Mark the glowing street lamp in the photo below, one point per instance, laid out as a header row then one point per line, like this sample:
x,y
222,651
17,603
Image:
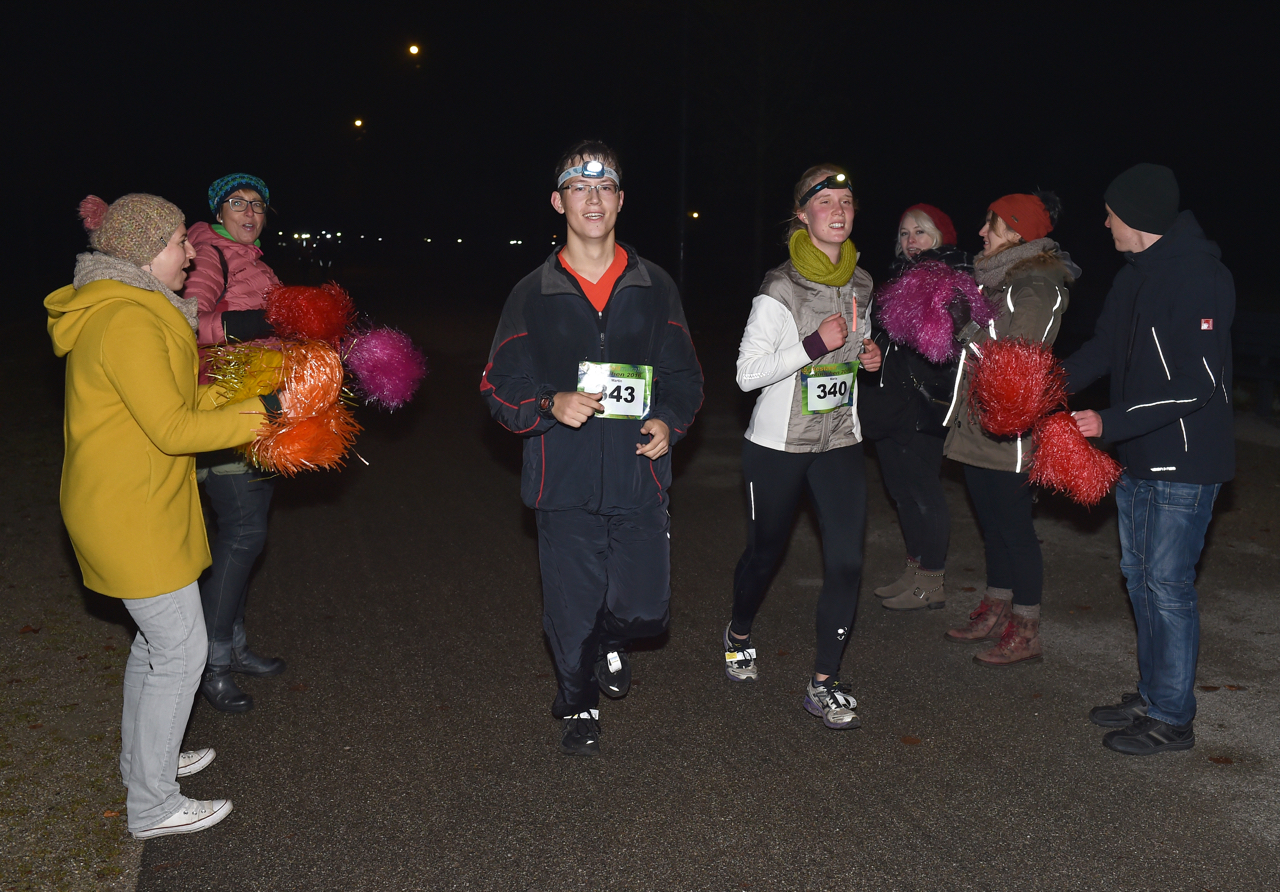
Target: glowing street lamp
x,y
359,123
413,51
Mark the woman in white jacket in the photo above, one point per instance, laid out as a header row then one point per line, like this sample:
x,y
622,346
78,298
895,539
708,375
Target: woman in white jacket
x,y
804,433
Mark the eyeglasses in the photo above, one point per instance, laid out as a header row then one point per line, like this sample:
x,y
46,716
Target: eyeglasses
x,y
580,189
239,205
835,181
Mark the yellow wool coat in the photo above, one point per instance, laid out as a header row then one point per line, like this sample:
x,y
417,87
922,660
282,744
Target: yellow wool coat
x,y
134,419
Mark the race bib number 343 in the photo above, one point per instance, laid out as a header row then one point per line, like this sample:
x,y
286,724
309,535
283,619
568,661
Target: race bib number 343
x,y
827,387
626,388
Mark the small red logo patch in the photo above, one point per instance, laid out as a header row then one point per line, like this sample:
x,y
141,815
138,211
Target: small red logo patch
x,y
1206,325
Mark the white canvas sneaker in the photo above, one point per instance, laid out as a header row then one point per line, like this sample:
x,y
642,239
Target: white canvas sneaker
x,y
194,815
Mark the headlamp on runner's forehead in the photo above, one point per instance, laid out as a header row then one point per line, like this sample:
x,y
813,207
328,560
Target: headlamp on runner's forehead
x,y
835,181
592,170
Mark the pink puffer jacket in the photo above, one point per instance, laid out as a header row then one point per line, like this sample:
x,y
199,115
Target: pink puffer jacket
x,y
247,278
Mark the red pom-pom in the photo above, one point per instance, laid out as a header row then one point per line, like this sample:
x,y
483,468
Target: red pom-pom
x,y
92,211
1064,460
1015,383
309,313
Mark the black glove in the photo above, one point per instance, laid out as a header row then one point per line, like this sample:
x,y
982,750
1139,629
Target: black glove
x,y
271,402
246,325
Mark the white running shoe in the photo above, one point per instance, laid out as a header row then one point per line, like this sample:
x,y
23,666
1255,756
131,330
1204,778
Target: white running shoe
x,y
739,658
830,701
195,760
194,815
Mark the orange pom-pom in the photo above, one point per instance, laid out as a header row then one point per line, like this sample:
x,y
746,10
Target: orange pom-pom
x,y
310,313
314,430
287,446
312,378
1064,460
1014,384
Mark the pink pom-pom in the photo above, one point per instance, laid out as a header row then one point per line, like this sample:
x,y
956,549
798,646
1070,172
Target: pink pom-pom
x,y
1064,460
913,308
1015,383
386,366
92,211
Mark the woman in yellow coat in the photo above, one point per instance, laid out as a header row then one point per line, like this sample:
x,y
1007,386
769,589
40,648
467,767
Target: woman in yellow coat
x,y
134,418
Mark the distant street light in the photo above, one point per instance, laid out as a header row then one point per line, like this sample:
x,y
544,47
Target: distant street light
x,y
413,51
693,214
359,123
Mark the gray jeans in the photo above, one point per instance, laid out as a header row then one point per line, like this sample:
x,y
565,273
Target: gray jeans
x,y
160,682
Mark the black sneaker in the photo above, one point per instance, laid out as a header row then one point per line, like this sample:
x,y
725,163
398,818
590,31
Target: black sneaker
x,y
581,734
613,673
1120,715
1148,736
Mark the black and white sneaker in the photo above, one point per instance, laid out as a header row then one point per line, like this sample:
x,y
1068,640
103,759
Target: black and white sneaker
x,y
581,734
613,673
739,658
831,701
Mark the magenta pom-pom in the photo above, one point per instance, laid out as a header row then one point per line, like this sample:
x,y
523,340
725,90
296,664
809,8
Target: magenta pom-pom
x,y
387,368
913,308
92,211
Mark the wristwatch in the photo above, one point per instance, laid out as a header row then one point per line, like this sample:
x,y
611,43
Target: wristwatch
x,y
547,402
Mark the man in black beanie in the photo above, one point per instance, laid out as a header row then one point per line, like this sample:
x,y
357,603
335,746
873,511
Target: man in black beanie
x,y
1164,337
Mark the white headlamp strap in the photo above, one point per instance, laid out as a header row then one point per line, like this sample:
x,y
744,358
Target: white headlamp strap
x,y
592,170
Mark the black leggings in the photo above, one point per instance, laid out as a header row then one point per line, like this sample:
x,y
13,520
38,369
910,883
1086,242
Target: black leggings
x,y
837,485
1002,501
912,475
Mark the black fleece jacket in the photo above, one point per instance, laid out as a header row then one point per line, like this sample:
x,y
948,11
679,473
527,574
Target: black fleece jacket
x,y
548,326
1164,336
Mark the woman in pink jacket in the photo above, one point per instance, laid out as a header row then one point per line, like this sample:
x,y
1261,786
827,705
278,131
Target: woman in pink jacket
x,y
228,282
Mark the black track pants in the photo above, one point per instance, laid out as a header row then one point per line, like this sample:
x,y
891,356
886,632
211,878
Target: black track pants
x,y
912,474
837,485
1002,501
606,578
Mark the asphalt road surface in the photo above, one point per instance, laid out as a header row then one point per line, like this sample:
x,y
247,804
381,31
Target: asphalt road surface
x,y
410,744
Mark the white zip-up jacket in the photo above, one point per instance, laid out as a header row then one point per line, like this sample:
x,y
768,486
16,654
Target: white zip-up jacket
x,y
772,353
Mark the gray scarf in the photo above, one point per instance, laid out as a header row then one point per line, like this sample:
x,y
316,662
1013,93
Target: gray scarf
x,y
96,266
991,271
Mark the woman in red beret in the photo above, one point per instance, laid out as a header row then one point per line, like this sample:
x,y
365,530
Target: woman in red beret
x,y
1026,275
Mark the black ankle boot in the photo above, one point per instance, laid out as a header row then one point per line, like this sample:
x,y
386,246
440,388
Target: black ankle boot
x,y
246,662
219,688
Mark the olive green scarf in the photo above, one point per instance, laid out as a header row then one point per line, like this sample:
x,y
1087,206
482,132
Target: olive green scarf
x,y
815,266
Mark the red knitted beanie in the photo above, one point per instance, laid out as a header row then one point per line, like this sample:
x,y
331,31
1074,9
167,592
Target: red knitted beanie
x,y
1024,214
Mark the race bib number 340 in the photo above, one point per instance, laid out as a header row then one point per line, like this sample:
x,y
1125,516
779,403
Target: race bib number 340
x,y
626,388
827,387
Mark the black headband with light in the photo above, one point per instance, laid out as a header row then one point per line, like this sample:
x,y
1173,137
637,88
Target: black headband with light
x,y
835,181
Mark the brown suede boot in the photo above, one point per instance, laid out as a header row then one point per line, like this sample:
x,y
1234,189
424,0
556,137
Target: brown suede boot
x,y
904,583
1020,643
928,590
986,622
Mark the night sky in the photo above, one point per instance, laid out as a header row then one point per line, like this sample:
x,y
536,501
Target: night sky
x,y
950,107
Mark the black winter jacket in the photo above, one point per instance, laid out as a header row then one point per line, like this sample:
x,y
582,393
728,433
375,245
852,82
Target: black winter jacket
x,y
909,393
1164,336
548,326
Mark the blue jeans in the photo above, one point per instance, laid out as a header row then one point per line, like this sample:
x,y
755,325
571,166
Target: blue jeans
x,y
1162,527
240,502
160,681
